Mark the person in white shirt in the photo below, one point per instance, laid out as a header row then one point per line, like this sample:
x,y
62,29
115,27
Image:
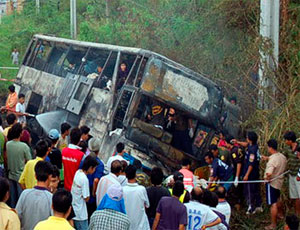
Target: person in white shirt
x,y
15,57
223,206
20,109
81,192
200,216
108,180
136,200
118,155
122,177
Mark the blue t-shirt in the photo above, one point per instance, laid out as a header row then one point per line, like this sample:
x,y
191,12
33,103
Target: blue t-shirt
x,y
252,158
221,170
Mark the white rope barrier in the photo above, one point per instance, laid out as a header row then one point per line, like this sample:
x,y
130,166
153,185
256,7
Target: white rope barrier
x,y
9,67
248,182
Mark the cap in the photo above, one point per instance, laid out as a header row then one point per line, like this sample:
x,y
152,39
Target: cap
x,y
53,134
94,144
115,192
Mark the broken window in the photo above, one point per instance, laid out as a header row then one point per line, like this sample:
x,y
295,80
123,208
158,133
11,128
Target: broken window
x,y
34,103
127,66
39,54
100,64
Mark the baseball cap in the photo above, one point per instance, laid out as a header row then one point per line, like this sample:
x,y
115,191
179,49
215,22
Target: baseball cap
x,y
53,134
115,192
94,144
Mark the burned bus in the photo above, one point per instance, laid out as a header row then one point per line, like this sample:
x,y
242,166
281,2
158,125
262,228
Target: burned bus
x,y
162,111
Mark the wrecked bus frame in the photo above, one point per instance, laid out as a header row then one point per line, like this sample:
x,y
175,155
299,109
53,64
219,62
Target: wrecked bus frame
x,y
63,75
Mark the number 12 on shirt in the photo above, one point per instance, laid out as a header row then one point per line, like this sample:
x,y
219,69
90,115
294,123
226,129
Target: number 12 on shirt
x,y
194,222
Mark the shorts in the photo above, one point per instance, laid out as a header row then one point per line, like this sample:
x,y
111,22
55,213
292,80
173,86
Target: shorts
x,y
272,194
294,187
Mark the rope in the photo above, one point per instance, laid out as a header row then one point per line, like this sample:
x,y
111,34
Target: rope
x,y
9,67
4,79
248,182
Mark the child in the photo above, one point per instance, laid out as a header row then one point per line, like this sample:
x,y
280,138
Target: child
x,y
20,109
81,192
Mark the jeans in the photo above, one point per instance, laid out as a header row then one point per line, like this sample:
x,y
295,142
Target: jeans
x,y
81,224
15,192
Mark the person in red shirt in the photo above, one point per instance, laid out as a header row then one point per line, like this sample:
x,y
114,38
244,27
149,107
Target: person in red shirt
x,y
71,158
188,176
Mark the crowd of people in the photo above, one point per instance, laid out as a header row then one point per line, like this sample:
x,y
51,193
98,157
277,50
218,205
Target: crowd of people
x,y
62,182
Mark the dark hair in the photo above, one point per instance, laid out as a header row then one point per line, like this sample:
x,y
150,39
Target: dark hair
x,y
120,147
124,165
116,167
83,145
290,136
11,88
130,172
156,176
4,188
229,138
61,201
64,127
51,141
41,148
75,136
213,147
178,188
210,155
186,162
178,176
15,131
207,197
272,143
252,136
88,162
55,172
214,200
137,163
21,95
11,118
221,192
84,129
292,222
197,197
233,98
42,170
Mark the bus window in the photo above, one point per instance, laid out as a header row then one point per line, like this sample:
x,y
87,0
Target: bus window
x,y
41,52
73,60
141,69
56,59
99,65
128,65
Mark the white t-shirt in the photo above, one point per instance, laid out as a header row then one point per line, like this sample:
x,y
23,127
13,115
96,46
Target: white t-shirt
x,y
220,226
123,180
199,215
20,108
224,208
136,199
80,191
112,159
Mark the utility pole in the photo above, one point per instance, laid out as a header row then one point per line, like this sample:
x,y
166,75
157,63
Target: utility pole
x,y
269,31
37,5
73,19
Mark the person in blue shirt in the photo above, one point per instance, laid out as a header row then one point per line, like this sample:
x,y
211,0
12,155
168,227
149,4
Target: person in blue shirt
x,y
219,170
251,172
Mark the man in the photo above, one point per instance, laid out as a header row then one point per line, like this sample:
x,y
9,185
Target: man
x,y
221,153
65,129
155,192
171,214
293,165
61,206
275,167
219,171
18,153
34,204
188,176
111,213
141,177
94,146
200,216
185,197
20,109
223,206
136,200
27,179
55,154
84,132
292,223
15,57
11,101
9,219
81,192
251,172
11,120
108,180
120,150
71,158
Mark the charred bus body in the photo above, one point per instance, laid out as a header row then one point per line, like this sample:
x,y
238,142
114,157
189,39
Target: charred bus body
x,y
161,110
